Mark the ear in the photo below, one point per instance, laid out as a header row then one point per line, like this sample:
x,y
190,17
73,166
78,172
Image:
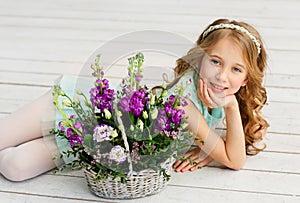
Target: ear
x,y
245,82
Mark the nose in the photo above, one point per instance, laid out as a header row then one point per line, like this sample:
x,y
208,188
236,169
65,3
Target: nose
x,y
222,75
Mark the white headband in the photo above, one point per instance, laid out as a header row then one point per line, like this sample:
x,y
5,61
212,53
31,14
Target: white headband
x,y
234,27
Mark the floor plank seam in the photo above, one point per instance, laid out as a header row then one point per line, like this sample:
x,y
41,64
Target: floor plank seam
x,y
55,197
235,190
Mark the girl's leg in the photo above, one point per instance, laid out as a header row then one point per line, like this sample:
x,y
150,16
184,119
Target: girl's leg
x,y
26,161
25,124
23,152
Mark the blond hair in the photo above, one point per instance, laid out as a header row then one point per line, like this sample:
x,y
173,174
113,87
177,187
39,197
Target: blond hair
x,y
252,97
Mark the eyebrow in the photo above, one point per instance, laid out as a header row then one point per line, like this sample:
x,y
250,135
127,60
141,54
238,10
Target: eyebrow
x,y
238,64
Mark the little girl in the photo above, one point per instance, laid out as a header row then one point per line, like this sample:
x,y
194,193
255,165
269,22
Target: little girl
x,y
228,62
226,67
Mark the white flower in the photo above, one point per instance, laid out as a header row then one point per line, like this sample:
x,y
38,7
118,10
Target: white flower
x,y
67,103
117,154
107,114
154,113
79,92
164,93
131,128
145,114
184,125
76,100
104,132
140,124
152,100
114,134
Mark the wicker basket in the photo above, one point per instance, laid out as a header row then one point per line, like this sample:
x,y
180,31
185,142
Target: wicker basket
x,y
147,182
141,184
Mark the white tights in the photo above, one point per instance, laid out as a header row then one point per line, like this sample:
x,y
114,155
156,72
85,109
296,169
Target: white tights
x,y
23,151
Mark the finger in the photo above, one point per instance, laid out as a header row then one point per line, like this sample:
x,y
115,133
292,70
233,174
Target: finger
x,y
176,164
187,168
182,166
188,155
209,101
201,163
200,89
187,164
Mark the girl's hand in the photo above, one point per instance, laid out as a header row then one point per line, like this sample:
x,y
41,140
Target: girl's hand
x,y
193,156
210,99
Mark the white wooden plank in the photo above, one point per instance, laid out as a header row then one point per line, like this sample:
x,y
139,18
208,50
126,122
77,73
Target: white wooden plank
x,y
283,80
284,126
14,197
40,66
34,79
283,110
23,93
240,180
264,161
282,143
283,95
177,7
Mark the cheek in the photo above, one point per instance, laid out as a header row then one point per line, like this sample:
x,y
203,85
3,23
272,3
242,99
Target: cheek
x,y
207,70
236,84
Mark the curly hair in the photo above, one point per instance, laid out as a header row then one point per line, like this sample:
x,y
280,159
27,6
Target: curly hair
x,y
252,97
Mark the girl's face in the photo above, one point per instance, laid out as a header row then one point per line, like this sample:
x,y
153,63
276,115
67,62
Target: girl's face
x,y
223,69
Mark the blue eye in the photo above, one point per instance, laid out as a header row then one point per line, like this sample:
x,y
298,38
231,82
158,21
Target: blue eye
x,y
235,69
215,62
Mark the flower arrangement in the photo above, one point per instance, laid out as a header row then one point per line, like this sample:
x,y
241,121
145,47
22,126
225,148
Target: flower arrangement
x,y
120,132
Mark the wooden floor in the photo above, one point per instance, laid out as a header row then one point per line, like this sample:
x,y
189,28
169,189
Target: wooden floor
x,y
41,39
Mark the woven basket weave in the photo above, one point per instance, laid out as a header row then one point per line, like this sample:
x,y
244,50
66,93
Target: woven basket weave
x,y
137,185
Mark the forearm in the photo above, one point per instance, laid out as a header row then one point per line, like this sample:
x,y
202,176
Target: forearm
x,y
231,152
235,139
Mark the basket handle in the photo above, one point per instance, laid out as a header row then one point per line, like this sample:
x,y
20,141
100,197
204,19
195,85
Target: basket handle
x,y
121,127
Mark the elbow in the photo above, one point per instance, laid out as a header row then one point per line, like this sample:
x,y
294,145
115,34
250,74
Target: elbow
x,y
238,165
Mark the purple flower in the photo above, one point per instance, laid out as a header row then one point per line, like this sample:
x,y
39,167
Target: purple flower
x,y
101,96
73,137
138,78
135,103
77,125
168,108
124,102
183,101
172,99
177,116
163,121
61,127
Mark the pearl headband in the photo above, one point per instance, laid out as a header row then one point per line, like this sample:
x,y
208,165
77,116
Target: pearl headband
x,y
233,27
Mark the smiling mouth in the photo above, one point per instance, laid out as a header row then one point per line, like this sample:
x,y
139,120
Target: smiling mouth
x,y
218,88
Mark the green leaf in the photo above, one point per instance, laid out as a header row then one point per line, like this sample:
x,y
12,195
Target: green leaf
x,y
88,140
